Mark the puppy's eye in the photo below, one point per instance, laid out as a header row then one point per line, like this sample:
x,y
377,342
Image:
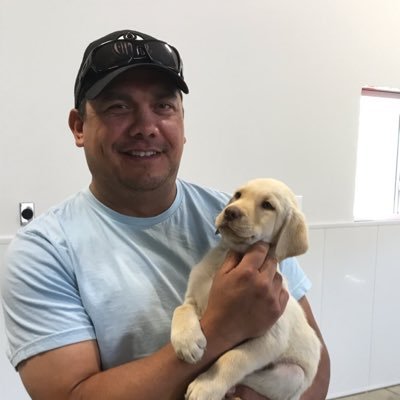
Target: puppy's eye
x,y
237,195
266,205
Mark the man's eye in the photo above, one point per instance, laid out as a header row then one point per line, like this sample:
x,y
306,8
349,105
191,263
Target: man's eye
x,y
118,106
164,106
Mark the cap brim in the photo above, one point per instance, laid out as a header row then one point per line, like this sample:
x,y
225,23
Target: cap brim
x,y
97,88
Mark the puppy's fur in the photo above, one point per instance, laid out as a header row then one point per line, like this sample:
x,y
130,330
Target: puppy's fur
x,y
283,362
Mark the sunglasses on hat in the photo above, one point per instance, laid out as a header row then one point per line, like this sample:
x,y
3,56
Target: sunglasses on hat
x,y
120,54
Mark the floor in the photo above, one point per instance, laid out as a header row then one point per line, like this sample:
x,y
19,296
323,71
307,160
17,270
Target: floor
x,y
390,393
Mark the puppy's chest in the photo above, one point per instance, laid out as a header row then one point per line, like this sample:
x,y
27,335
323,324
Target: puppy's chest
x,y
201,289
202,277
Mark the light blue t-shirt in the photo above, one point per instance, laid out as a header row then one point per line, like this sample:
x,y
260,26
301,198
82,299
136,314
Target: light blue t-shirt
x,y
82,271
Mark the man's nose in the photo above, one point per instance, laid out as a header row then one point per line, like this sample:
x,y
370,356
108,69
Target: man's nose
x,y
144,123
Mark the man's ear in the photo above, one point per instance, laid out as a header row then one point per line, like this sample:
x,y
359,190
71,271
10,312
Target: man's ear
x,y
75,123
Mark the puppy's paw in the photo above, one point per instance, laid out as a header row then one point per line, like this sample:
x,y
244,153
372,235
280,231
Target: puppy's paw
x,y
189,345
199,391
187,338
205,388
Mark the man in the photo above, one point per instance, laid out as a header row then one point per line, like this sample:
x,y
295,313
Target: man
x,y
91,285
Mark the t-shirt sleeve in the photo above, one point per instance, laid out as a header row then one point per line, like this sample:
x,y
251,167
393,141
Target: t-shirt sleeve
x,y
41,302
298,282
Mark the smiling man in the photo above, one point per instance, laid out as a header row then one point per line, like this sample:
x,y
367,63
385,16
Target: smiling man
x,y
133,137
90,286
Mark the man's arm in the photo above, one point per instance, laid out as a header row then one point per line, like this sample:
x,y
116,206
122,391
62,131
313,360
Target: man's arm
x,y
319,389
74,372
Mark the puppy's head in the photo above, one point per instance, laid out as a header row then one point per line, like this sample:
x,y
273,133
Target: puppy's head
x,y
264,210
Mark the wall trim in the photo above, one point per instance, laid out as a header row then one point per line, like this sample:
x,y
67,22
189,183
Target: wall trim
x,y
353,224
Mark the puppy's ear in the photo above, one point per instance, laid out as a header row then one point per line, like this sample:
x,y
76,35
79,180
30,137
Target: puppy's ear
x,y
293,238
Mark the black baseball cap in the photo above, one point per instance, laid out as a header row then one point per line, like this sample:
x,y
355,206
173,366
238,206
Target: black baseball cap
x,y
107,57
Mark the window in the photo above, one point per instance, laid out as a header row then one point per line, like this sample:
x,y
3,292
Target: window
x,y
378,156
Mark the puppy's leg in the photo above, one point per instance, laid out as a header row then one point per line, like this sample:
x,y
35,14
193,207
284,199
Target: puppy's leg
x,y
234,365
187,338
282,381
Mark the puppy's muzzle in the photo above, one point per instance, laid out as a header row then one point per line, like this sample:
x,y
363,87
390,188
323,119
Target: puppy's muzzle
x,y
231,213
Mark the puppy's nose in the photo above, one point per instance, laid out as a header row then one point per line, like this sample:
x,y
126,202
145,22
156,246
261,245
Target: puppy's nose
x,y
232,213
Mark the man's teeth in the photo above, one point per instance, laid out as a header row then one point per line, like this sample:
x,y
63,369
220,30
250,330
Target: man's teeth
x,y
142,153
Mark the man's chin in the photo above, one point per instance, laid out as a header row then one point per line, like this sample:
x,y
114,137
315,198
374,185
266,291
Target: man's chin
x,y
148,183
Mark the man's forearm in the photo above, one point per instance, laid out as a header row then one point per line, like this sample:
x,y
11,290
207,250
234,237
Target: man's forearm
x,y
159,376
319,388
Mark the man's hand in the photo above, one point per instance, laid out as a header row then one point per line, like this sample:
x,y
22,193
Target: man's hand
x,y
244,393
247,296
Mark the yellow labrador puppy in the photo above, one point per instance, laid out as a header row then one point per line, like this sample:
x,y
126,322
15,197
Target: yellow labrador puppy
x,y
283,362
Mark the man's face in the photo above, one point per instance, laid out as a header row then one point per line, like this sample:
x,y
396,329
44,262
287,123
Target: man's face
x,y
133,133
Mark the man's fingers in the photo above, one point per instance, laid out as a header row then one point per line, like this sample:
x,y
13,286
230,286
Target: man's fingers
x,y
283,298
244,392
256,254
256,257
270,265
232,259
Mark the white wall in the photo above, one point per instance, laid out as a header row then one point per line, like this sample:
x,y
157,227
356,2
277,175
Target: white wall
x,y
274,86
275,89
355,270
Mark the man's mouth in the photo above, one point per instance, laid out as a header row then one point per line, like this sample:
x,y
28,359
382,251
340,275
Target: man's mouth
x,y
142,153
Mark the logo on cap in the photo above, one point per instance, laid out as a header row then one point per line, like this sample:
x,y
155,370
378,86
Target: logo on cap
x,y
125,47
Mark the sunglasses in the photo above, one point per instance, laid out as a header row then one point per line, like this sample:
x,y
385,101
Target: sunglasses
x,y
122,52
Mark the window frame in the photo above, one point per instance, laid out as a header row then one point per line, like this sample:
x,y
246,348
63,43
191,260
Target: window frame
x,y
359,215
